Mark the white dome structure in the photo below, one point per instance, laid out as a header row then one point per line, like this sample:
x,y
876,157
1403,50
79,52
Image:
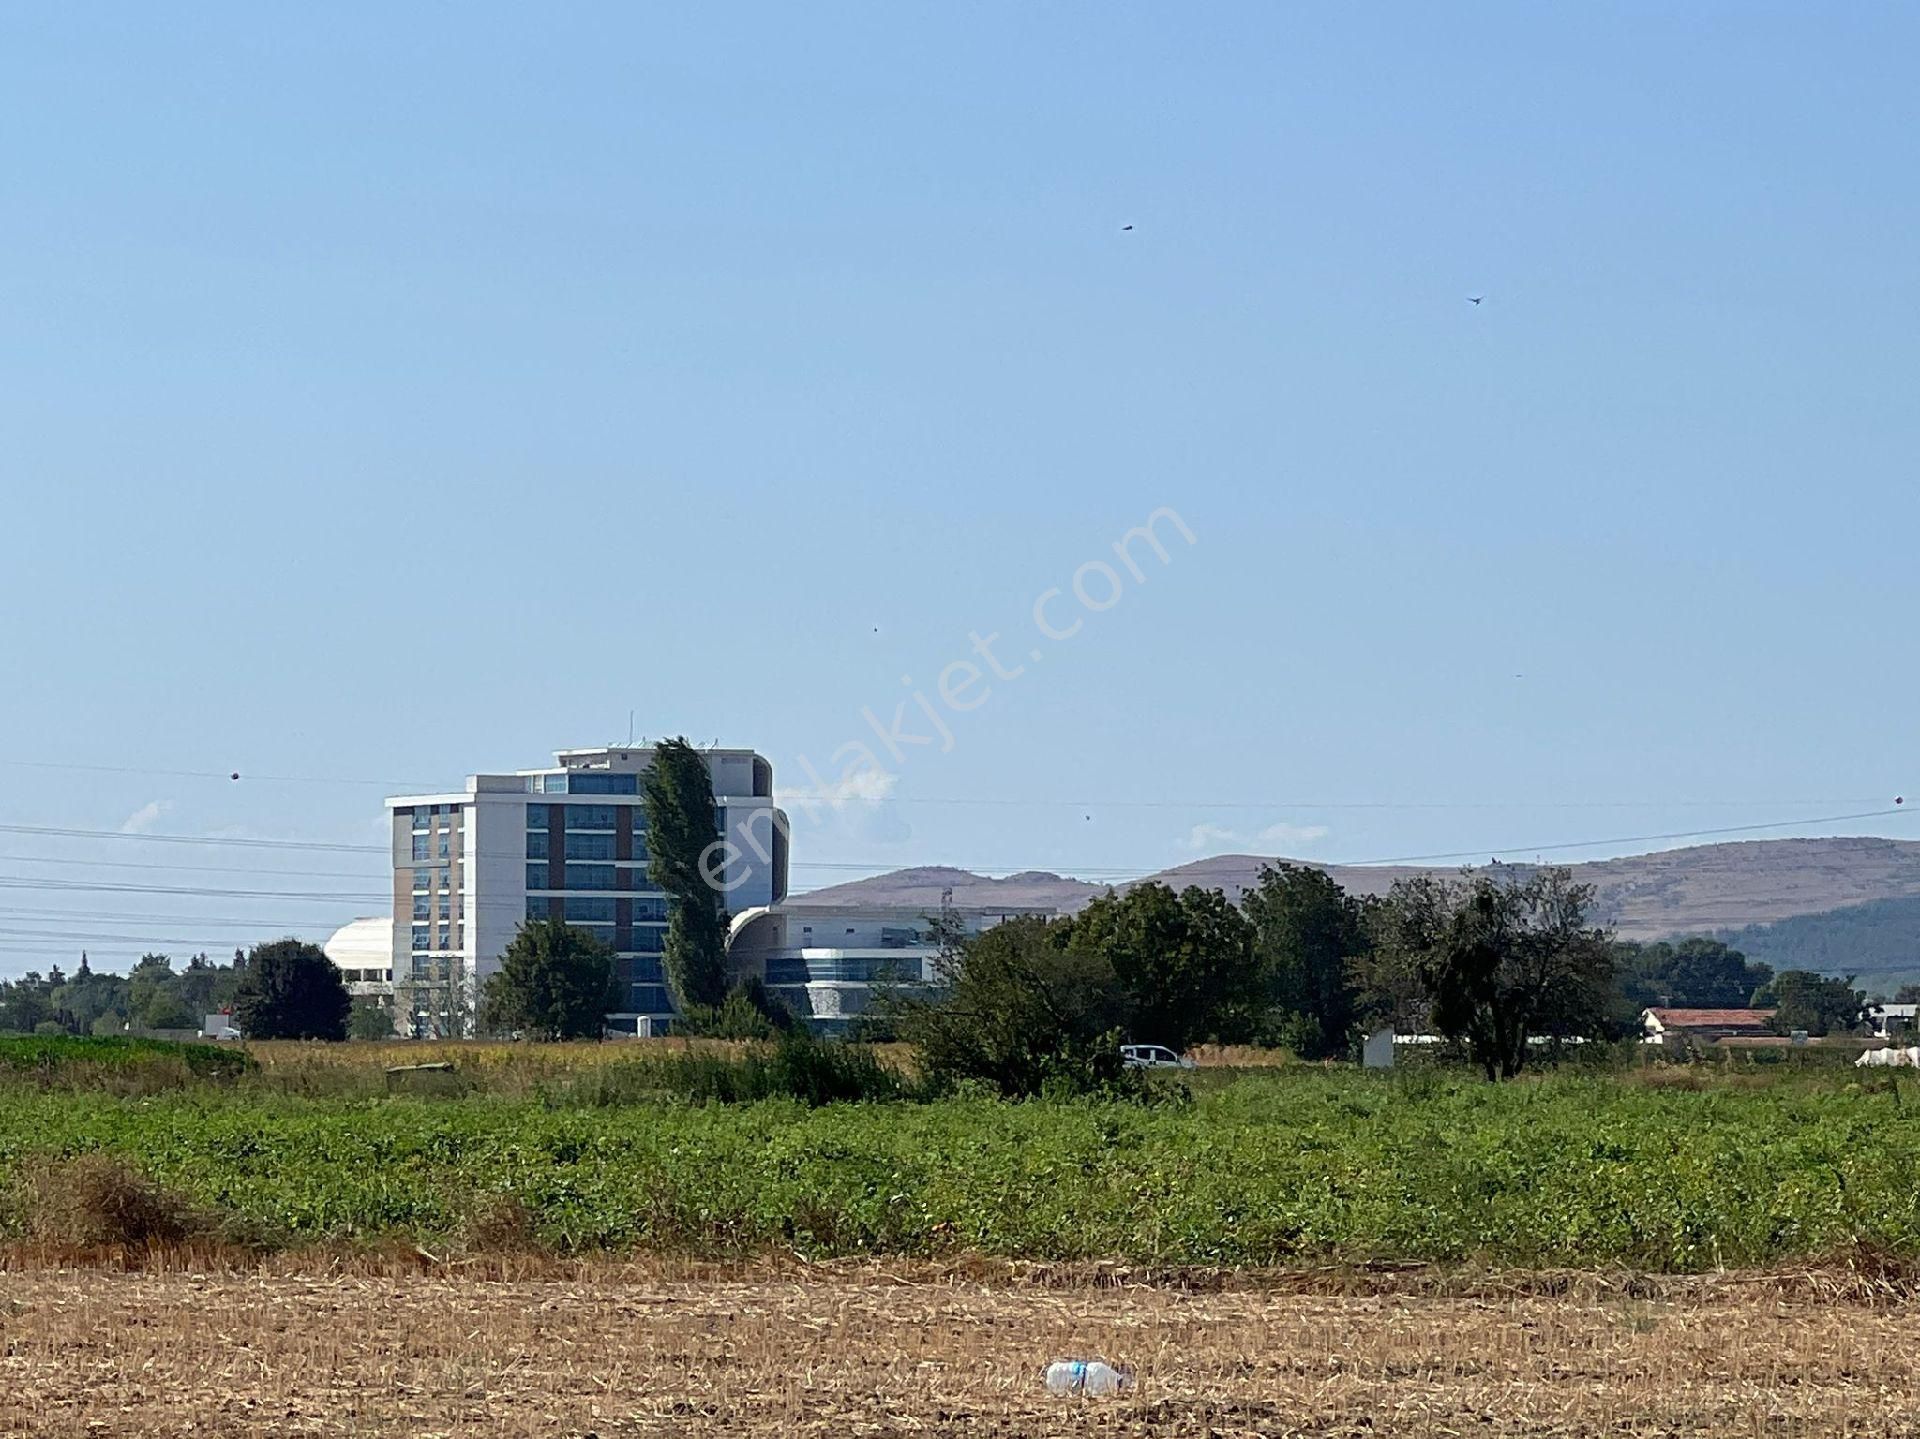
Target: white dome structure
x,y
362,950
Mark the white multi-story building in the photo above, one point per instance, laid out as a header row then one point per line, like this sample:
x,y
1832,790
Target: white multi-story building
x,y
566,843
362,951
827,963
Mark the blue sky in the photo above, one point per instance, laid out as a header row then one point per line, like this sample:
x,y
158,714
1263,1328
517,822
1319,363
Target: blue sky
x,y
389,396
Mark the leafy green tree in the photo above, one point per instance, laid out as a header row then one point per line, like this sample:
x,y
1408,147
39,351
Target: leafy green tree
x,y
205,988
1817,1003
435,1008
1696,973
150,993
1908,994
167,1010
1500,962
291,990
1018,1007
1308,934
554,982
1184,962
25,1004
681,827
371,1017
92,1000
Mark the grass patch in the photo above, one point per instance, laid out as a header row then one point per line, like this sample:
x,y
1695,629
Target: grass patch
x,y
796,1067
96,1201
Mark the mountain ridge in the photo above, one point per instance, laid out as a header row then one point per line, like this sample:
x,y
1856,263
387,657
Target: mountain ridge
x,y
1700,889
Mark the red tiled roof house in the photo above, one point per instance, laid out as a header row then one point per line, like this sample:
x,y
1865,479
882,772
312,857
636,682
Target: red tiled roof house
x,y
1704,1026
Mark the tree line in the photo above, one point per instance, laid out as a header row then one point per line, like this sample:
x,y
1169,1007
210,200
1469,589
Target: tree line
x,y
1495,964
282,989
1502,966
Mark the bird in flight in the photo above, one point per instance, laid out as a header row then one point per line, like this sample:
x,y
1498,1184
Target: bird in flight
x,y
1475,299
1126,227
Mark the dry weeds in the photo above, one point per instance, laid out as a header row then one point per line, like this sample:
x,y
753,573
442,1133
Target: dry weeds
x,y
95,1200
678,1349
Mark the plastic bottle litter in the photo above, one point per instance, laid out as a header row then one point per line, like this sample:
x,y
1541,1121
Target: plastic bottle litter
x,y
1081,1376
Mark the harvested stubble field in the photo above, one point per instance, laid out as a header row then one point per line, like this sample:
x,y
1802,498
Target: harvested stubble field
x,y
657,1350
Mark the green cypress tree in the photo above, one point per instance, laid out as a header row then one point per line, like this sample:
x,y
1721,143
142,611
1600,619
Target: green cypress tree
x,y
681,825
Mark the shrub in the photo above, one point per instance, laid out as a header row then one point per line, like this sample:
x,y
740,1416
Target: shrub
x,y
1021,1009
95,1201
748,1012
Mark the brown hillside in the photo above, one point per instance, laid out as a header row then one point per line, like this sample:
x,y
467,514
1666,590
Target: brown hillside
x,y
1677,891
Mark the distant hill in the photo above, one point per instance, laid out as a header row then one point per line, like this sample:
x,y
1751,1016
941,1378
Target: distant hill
x,y
923,886
1820,884
1878,942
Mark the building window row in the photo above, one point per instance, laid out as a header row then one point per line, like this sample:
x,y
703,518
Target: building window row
x,y
625,878
575,782
649,999
427,905
584,816
438,845
423,814
577,846
867,971
642,909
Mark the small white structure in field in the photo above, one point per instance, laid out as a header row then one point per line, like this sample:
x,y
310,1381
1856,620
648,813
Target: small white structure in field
x,y
1889,1019
1377,1052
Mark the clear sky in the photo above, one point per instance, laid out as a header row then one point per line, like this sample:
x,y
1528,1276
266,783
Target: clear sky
x,y
390,393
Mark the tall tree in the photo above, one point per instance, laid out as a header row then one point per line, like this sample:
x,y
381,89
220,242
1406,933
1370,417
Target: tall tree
x,y
291,990
1184,962
1500,962
682,825
553,983
1308,936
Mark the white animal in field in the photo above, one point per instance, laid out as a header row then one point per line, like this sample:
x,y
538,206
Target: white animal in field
x,y
1889,1059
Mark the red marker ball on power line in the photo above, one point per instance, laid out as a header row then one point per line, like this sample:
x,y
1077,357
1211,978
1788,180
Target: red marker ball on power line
x,y
234,775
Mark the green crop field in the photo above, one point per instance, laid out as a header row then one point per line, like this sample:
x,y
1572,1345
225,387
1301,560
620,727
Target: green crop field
x,y
1286,1166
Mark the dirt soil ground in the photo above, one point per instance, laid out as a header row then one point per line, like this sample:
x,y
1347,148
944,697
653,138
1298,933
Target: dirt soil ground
x,y
867,1353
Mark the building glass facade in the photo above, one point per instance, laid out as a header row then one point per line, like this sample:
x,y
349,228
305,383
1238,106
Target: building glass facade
x,y
568,843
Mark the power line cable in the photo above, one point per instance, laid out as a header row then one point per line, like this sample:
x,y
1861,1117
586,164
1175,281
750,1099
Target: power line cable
x,y
1628,839
398,787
